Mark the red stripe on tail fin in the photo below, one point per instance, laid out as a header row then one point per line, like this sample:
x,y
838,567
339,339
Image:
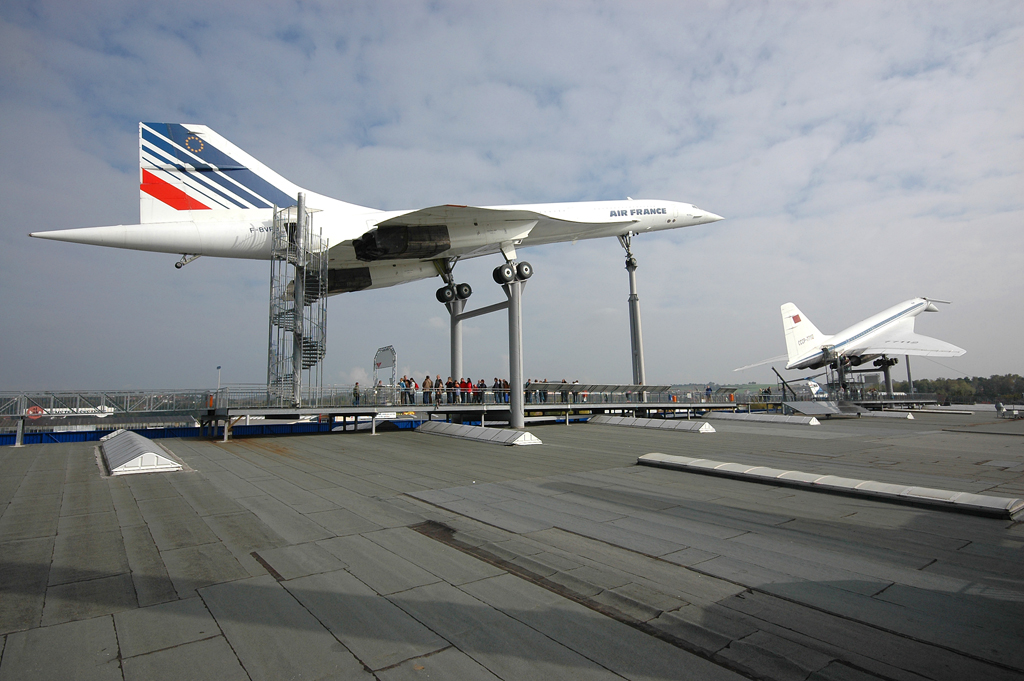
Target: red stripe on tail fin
x,y
168,193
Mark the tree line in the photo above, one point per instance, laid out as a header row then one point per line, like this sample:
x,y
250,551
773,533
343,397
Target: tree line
x,y
1006,388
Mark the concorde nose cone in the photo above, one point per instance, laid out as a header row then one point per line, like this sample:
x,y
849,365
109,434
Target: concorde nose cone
x,y
703,217
93,236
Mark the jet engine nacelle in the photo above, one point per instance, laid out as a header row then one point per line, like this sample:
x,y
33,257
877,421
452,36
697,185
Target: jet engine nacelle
x,y
402,242
377,275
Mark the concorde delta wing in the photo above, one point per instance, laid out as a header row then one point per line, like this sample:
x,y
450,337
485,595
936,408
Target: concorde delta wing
x,y
461,216
442,231
904,341
450,231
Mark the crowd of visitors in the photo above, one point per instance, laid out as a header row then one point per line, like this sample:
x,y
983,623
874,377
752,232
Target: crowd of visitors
x,y
467,391
451,391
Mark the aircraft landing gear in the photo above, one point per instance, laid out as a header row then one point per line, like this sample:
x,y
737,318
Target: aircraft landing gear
x,y
185,259
885,363
451,291
445,294
507,273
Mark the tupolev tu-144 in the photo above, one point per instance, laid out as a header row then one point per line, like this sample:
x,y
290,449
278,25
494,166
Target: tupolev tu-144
x,y
203,196
890,332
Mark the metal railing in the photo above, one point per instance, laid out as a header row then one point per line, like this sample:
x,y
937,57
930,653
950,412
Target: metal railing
x,y
63,403
533,396
105,402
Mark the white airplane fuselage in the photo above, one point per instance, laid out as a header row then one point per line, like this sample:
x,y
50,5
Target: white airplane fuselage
x,y
247,233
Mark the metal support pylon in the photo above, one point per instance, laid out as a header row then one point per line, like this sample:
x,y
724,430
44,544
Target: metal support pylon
x,y
636,338
455,309
514,291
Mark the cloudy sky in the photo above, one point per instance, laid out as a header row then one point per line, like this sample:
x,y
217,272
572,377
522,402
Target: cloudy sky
x,y
862,153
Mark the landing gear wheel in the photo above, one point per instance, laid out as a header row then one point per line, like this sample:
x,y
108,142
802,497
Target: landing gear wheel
x,y
463,291
504,274
445,294
524,270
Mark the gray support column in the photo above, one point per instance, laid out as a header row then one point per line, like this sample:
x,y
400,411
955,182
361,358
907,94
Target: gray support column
x,y
888,379
299,298
910,380
19,436
455,309
514,292
636,337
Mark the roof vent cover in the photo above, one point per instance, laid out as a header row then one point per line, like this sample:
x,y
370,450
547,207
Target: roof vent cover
x,y
125,452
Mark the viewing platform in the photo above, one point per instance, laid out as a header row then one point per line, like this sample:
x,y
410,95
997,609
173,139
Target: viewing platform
x,y
62,416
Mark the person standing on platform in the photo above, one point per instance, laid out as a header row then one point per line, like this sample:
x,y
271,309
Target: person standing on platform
x,y
355,395
428,389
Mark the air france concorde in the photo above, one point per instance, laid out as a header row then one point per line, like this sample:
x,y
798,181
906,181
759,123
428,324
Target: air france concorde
x,y
202,195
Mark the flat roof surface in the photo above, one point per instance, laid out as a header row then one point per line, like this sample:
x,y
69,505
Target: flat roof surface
x,y
409,556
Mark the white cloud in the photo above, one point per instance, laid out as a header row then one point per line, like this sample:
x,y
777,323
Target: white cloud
x,y
863,153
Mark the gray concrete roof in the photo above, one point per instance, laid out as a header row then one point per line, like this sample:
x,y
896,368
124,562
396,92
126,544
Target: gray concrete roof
x,y
399,556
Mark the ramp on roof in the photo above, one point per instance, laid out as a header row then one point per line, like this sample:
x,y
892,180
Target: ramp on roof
x,y
813,408
125,452
498,436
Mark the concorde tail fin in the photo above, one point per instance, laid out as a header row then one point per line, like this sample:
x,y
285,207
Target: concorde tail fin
x,y
186,170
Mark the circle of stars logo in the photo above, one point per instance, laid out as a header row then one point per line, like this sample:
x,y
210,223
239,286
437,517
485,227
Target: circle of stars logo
x,y
194,144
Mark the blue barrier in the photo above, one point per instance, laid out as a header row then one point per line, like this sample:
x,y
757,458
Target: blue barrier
x,y
7,439
278,429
